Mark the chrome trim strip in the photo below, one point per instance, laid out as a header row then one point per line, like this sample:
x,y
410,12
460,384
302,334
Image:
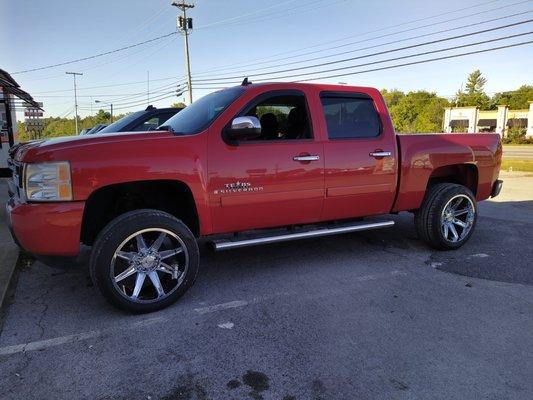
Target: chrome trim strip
x,y
306,158
380,154
226,244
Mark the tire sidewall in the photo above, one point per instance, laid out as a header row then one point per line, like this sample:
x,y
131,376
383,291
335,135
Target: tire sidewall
x,y
438,207
114,234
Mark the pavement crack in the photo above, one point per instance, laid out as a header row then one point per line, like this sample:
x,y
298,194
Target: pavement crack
x,y
41,300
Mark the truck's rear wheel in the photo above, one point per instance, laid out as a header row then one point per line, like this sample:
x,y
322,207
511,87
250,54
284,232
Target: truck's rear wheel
x,y
144,260
447,216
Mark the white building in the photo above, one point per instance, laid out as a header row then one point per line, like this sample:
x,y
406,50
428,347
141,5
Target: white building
x,y
471,119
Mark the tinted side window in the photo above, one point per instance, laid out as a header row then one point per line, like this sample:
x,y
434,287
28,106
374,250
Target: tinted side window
x,y
350,117
282,117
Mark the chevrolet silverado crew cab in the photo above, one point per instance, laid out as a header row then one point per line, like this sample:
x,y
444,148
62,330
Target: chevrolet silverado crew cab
x,y
253,164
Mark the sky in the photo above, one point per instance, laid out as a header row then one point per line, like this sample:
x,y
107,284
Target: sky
x,y
238,38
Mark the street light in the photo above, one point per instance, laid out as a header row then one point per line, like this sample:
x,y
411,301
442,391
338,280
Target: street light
x,y
110,105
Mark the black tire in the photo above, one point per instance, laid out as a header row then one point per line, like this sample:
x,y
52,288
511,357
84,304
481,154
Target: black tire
x,y
116,233
428,219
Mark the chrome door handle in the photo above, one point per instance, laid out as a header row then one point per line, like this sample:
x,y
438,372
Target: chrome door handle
x,y
306,158
380,154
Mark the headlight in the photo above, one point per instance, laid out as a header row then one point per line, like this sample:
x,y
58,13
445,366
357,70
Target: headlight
x,y
48,181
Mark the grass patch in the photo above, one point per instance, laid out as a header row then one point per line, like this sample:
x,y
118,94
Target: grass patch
x,y
517,165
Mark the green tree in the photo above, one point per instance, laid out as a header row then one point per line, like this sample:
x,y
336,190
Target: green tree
x,y
475,82
516,100
474,95
55,126
419,111
392,97
23,135
178,105
430,118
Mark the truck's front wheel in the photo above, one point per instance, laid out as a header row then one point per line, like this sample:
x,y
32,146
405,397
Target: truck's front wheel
x,y
144,260
447,216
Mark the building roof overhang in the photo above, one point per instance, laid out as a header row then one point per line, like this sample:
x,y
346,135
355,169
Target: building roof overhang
x,y
459,123
10,86
486,122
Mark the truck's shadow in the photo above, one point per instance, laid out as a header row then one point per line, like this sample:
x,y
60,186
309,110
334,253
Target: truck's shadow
x,y
500,250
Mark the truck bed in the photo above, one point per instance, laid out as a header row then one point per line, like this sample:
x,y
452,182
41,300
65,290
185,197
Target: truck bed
x,y
426,156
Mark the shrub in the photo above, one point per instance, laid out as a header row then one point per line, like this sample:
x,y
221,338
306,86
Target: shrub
x,y
517,135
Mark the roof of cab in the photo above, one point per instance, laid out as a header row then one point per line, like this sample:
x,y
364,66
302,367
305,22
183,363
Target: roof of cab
x,y
295,85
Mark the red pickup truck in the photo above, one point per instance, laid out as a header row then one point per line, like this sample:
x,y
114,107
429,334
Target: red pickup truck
x,y
252,164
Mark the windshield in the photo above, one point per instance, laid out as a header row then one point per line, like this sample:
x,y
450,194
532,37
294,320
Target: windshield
x,y
122,122
199,115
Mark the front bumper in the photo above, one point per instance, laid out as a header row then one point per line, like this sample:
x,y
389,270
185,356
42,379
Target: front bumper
x,y
496,188
46,228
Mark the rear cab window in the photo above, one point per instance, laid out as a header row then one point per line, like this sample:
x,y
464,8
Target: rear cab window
x,y
350,116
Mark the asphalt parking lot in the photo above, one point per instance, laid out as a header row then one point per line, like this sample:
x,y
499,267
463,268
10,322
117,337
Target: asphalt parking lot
x,y
372,315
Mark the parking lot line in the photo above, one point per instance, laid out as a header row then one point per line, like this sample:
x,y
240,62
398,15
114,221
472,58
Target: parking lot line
x,y
221,306
44,344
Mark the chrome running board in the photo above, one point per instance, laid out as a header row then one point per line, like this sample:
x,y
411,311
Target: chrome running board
x,y
224,244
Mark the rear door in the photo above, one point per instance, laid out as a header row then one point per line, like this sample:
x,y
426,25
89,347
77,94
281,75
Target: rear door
x,y
360,155
274,180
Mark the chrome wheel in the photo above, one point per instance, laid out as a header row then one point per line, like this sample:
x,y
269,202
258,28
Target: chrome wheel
x,y
457,218
157,254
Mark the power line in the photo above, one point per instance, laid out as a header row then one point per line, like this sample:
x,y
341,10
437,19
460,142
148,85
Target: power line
x,y
248,72
148,56
144,102
421,61
420,54
145,23
259,11
386,60
413,62
317,45
95,55
114,85
418,27
284,13
167,78
158,89
374,54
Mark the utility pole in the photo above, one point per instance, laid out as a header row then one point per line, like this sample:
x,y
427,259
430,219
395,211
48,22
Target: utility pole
x,y
75,98
148,89
184,25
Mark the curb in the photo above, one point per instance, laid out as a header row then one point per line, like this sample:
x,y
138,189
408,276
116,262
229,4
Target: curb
x,y
9,253
8,276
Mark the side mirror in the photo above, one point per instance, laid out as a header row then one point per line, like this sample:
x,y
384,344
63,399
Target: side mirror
x,y
243,128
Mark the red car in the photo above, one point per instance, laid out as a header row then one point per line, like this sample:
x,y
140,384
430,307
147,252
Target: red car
x,y
287,156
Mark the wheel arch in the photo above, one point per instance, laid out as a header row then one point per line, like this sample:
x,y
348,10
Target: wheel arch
x,y
106,203
463,174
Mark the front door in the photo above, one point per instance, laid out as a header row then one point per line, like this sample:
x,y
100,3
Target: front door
x,y
274,180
